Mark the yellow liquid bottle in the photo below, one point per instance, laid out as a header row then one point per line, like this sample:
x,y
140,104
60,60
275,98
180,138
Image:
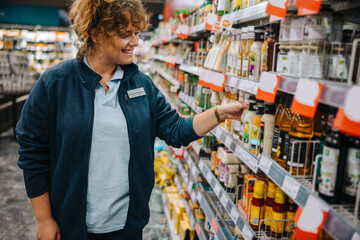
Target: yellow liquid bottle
x,y
256,131
220,64
247,50
278,116
284,137
301,131
241,51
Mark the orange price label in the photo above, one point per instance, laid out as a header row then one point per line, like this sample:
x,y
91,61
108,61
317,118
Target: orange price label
x,y
179,152
269,84
205,78
347,119
311,5
214,225
277,8
211,20
217,26
218,81
307,97
198,229
183,31
305,11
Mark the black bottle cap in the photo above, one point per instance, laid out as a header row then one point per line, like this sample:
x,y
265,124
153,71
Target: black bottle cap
x,y
270,108
260,110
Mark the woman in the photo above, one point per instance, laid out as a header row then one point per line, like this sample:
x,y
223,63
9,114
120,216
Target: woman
x,y
87,130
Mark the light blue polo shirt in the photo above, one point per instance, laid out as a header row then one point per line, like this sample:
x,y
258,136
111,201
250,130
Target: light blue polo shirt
x,y
108,181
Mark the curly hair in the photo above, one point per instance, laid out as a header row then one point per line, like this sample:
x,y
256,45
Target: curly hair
x,y
108,17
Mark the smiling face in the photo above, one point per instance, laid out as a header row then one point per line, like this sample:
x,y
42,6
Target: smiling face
x,y
117,48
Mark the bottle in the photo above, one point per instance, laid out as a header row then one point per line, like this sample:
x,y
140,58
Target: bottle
x,y
216,41
231,51
301,132
290,215
236,122
319,127
248,120
278,116
279,212
220,64
352,173
236,53
304,59
215,55
229,126
271,51
243,42
267,129
284,137
226,99
283,63
213,146
337,67
256,131
316,62
257,205
255,54
269,203
246,53
264,51
218,161
332,168
221,7
293,56
237,5
243,118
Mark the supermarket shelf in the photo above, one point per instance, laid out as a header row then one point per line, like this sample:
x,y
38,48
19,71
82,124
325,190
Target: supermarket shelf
x,y
200,28
166,59
248,14
211,217
245,155
198,228
190,101
193,167
189,184
170,224
242,84
191,69
196,146
168,77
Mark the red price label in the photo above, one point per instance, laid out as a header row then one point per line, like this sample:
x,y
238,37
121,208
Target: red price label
x,y
277,8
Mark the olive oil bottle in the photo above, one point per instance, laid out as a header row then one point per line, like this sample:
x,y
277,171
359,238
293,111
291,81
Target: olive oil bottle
x,y
278,115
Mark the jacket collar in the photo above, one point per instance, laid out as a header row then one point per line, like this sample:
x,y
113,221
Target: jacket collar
x,y
89,78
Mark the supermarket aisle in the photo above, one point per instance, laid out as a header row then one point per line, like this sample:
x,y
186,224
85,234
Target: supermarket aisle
x,y
17,219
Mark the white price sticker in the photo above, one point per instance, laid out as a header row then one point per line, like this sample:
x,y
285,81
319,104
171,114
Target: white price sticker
x,y
224,200
209,176
265,164
217,132
201,165
228,141
246,233
234,214
290,187
217,189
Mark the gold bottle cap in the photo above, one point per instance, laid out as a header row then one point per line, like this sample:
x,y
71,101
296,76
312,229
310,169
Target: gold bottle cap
x,y
280,196
271,192
259,189
290,201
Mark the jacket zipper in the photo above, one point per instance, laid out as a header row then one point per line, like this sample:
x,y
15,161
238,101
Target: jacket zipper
x,y
132,112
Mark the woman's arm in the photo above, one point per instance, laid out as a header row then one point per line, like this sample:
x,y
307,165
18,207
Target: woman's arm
x,y
206,121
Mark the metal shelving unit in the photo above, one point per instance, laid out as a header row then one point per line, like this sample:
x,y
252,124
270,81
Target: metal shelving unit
x,y
190,101
253,13
170,224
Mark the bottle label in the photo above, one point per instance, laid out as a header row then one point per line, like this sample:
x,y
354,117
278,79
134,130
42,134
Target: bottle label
x,y
278,226
262,130
264,62
226,177
255,138
229,62
352,178
222,172
283,147
255,215
276,139
297,152
247,132
328,170
252,65
236,127
217,166
285,64
268,215
224,61
242,131
238,67
289,225
245,65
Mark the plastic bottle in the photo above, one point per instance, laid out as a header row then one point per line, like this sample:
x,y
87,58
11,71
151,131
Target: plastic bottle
x,y
302,129
236,53
316,62
221,7
243,117
332,168
304,59
248,121
236,122
226,100
213,146
279,213
255,54
220,64
319,126
293,56
337,67
229,122
256,131
218,161
352,173
269,203
284,137
231,51
267,129
291,208
215,39
215,55
243,42
237,5
264,50
283,63
271,50
246,53
278,116
257,205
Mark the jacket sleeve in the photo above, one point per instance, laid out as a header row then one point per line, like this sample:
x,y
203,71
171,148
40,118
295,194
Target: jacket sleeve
x,y
33,134
173,129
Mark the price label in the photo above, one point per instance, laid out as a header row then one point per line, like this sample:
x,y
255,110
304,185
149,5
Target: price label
x,y
198,229
188,210
193,197
246,233
234,214
232,82
214,225
186,155
269,84
211,20
190,184
277,8
312,5
224,200
183,31
265,164
217,189
218,81
217,132
290,187
228,141
209,176
239,151
199,197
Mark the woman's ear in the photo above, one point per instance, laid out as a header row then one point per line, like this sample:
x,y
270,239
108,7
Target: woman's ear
x,y
94,35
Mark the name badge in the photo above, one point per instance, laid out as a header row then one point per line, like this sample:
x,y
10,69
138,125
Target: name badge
x,y
136,92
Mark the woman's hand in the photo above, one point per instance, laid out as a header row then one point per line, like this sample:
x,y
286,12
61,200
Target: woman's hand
x,y
48,230
231,110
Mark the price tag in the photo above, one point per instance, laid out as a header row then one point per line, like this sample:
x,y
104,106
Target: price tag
x,y
252,163
311,5
307,97
183,31
239,152
188,210
224,199
217,189
211,20
246,232
290,187
234,214
269,84
265,164
201,164
356,236
228,141
209,176
277,8
198,229
214,225
205,78
217,132
218,81
348,118
190,184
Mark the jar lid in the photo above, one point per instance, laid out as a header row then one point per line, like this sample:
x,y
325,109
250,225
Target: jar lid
x,y
259,189
280,196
